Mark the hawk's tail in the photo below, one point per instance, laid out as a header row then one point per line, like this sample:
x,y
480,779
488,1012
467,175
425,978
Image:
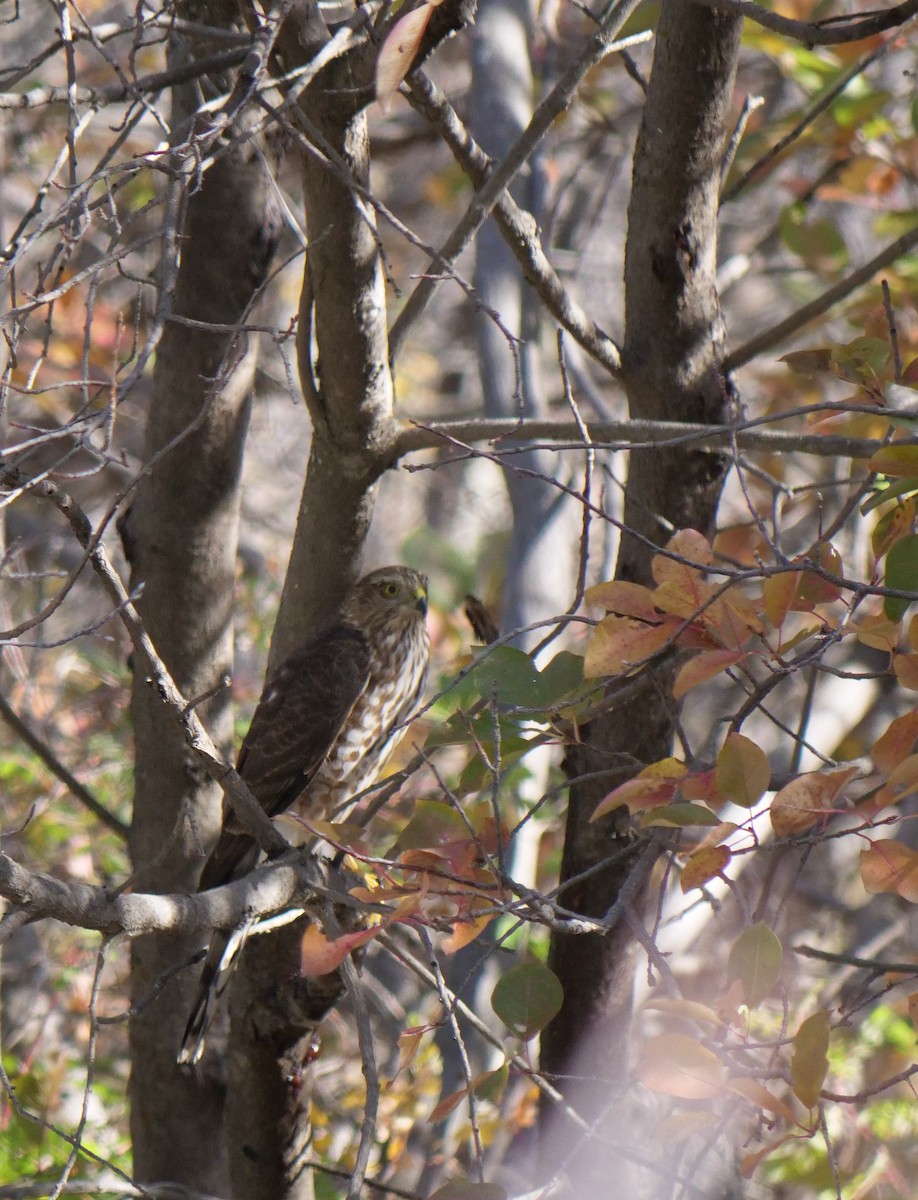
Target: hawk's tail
x,y
218,970
218,967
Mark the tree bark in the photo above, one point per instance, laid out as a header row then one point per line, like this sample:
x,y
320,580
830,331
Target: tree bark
x,y
671,362
180,536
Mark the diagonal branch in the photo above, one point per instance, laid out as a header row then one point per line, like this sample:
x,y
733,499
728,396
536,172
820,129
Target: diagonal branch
x,y
517,226
245,807
816,308
556,102
56,767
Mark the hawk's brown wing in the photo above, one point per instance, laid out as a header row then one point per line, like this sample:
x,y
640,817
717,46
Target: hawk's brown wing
x,y
299,716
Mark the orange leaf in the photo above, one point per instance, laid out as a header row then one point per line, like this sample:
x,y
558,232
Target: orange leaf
x,y
902,782
749,1163
703,865
806,799
906,669
691,1009
625,599
702,667
897,743
890,866
675,1064
761,1097
743,773
398,51
778,592
319,956
702,787
465,932
619,643
655,785
688,544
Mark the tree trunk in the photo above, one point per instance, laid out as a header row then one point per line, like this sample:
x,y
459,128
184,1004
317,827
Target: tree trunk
x,y
672,352
180,536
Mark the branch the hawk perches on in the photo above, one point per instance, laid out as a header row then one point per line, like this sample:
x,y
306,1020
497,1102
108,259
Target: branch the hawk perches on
x,y
323,729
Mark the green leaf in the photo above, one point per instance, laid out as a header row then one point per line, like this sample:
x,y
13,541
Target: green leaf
x,y
810,1058
902,573
526,998
511,676
743,773
679,816
432,824
818,242
562,676
465,1189
755,960
895,461
901,488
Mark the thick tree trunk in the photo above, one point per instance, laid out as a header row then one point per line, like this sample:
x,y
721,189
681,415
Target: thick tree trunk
x,y
180,536
672,352
343,351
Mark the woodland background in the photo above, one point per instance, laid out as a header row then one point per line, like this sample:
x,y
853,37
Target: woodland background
x,y
638,905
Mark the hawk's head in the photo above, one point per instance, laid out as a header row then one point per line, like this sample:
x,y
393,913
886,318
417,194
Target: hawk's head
x,y
390,596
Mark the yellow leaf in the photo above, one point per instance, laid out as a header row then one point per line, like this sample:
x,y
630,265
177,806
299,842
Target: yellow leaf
x,y
743,773
878,632
778,592
625,599
680,1126
655,785
810,1058
703,865
806,800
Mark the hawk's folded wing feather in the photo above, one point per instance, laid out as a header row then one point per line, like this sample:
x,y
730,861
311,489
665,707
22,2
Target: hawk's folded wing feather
x,y
299,716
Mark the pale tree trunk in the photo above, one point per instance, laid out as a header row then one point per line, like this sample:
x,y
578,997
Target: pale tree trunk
x,y
180,536
671,360
539,576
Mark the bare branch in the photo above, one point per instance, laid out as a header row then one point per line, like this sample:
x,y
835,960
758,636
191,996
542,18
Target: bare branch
x,y
267,890
822,34
246,808
809,312
623,435
517,226
551,107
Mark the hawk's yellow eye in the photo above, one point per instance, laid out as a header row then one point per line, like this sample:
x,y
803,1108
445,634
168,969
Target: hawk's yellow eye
x,y
390,589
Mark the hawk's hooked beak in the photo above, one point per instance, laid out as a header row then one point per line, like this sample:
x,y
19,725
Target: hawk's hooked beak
x,y
420,596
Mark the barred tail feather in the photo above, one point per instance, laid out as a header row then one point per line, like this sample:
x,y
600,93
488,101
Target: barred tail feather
x,y
216,974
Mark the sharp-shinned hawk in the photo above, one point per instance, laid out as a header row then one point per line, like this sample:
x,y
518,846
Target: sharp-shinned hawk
x,y
323,728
